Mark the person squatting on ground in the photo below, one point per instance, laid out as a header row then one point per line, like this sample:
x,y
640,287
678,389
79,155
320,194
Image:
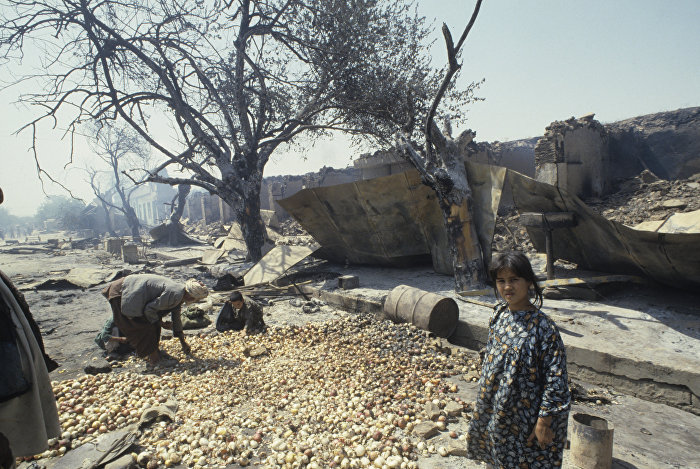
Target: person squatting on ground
x,y
28,414
239,313
522,407
139,303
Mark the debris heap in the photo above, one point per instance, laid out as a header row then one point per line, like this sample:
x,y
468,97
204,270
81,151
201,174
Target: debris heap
x,y
645,197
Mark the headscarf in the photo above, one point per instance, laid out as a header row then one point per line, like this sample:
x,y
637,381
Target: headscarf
x,y
196,289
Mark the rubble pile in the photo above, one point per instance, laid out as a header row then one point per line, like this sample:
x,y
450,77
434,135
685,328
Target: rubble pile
x,y
638,199
353,392
293,234
646,197
510,235
204,232
292,227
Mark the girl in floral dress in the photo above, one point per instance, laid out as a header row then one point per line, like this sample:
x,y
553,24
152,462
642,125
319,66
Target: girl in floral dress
x,y
522,407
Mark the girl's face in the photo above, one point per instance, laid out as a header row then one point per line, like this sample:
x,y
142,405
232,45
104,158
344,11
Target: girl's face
x,y
514,289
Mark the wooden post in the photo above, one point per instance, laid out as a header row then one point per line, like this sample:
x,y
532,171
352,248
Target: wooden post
x,y
548,222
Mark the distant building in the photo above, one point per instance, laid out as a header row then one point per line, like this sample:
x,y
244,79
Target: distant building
x,y
149,202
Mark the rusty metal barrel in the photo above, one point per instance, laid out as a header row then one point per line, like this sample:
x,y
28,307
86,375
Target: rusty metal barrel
x,y
428,311
591,442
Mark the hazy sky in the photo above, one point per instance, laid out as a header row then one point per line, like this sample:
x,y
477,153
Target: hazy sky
x,y
543,61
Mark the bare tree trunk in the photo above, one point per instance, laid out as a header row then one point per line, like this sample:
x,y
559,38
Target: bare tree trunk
x,y
108,220
178,207
442,168
133,221
467,260
247,211
457,210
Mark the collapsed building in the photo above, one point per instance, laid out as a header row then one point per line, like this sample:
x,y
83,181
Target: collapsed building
x,y
395,220
581,155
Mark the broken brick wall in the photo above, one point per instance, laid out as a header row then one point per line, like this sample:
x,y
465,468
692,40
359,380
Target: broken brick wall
x,y
589,159
380,163
575,155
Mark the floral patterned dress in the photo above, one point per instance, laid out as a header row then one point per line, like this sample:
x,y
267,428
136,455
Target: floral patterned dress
x,y
523,377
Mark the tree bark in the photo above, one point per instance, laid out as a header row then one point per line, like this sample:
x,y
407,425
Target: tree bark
x,y
108,220
178,208
133,221
247,211
452,187
467,260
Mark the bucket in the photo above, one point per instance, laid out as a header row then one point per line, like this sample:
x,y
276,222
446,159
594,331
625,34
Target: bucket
x,y
591,442
428,311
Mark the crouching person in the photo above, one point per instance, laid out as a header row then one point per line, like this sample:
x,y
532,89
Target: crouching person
x,y
139,304
240,313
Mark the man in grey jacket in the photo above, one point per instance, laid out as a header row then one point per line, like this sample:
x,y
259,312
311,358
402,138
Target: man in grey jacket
x,y
139,303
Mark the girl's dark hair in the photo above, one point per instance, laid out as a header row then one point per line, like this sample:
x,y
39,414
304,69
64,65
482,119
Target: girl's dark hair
x,y
520,264
236,296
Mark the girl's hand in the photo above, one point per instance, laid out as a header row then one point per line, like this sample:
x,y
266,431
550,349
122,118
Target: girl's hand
x,y
543,432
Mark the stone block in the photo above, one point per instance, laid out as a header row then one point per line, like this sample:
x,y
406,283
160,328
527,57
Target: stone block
x,y
457,448
675,203
254,352
130,253
114,245
432,410
348,282
426,430
453,409
124,462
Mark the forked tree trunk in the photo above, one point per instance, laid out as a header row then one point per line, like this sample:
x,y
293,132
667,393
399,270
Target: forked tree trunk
x,y
183,190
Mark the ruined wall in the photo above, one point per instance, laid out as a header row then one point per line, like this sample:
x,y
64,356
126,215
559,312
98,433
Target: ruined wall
x,y
575,155
280,187
666,143
380,163
589,159
201,204
581,155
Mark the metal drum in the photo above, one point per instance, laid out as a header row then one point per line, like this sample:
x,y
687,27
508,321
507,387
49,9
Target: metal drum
x,y
591,442
428,311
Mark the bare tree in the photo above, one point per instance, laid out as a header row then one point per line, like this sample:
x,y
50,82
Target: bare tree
x,y
120,148
236,80
441,164
175,234
109,225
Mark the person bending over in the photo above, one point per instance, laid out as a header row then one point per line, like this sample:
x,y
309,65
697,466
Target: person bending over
x,y
139,303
